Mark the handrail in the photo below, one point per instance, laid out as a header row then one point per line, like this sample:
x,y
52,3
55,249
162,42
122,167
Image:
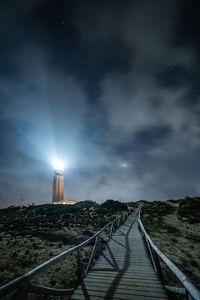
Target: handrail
x,y
191,289
22,281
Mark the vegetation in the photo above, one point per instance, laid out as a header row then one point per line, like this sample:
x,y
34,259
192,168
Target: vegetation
x,y
111,206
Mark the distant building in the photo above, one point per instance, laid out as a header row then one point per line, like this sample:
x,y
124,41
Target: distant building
x,y
58,186
67,202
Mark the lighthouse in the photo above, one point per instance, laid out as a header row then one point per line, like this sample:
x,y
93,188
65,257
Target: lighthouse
x,y
58,186
58,182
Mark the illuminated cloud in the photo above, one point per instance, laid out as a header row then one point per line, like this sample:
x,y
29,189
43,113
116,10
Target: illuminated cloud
x,y
110,88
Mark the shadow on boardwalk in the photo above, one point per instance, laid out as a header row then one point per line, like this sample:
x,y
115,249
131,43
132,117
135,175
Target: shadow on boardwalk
x,y
123,270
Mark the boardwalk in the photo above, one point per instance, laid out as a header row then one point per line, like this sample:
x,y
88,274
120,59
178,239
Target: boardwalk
x,y
123,271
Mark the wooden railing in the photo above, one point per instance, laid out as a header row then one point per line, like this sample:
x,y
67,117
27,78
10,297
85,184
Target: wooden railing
x,y
21,286
189,289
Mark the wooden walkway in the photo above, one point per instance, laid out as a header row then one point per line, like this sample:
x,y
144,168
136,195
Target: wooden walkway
x,y
123,271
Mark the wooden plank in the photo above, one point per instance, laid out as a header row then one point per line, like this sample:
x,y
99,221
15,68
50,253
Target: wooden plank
x,y
129,270
143,272
131,263
123,286
123,292
126,276
133,282
82,297
129,274
126,282
119,295
137,260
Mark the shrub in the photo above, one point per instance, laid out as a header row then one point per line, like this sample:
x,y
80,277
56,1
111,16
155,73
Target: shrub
x,y
86,204
189,207
111,206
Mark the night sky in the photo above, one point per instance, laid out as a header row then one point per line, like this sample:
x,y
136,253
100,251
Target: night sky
x,y
111,87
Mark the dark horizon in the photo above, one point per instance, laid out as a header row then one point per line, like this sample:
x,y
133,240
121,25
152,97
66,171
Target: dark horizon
x,y
110,88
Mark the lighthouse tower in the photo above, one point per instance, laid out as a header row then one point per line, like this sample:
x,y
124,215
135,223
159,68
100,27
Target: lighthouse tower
x,y
58,186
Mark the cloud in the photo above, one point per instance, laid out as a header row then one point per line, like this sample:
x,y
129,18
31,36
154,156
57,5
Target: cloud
x,y
135,102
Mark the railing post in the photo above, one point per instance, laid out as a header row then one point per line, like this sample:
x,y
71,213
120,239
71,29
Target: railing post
x,y
151,254
79,263
111,229
108,231
92,255
113,226
99,243
158,266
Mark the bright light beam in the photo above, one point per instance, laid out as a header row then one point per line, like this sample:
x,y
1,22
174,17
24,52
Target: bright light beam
x,y
58,164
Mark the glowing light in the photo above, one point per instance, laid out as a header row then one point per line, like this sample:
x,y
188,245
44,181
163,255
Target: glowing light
x,y
124,165
58,164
